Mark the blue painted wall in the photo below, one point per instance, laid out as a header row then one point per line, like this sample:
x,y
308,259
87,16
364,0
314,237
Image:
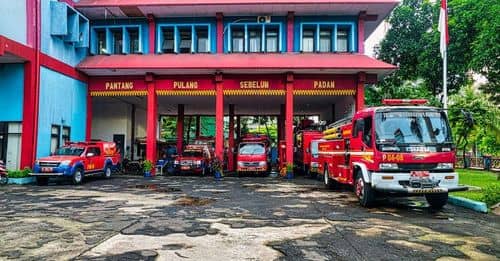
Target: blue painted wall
x,y
13,20
55,46
61,98
11,92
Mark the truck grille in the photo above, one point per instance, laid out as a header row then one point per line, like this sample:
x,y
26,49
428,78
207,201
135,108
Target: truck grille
x,y
48,164
186,162
250,164
417,166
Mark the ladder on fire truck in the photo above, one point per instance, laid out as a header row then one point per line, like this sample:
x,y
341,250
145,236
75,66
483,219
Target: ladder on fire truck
x,y
333,131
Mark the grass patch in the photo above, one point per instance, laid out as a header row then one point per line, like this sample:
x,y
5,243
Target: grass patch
x,y
487,181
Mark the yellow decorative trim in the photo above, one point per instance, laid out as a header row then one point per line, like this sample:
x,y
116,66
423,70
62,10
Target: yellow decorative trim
x,y
255,92
118,93
324,92
185,92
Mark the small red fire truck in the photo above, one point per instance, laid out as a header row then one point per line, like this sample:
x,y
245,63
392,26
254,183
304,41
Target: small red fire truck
x,y
401,149
303,150
76,160
252,156
195,158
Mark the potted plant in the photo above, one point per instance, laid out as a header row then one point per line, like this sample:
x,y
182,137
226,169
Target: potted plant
x,y
147,166
217,168
289,171
20,177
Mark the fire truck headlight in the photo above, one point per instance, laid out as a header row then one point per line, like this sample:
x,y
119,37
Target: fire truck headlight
x,y
176,162
66,162
240,164
388,166
444,166
262,164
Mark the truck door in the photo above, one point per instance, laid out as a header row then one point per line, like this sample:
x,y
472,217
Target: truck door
x,y
95,161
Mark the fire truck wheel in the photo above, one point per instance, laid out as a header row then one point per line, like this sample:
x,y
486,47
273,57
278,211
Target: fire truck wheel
x,y
437,201
329,183
107,172
77,177
42,181
364,192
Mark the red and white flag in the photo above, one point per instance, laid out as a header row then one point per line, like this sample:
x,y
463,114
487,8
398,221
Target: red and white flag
x,y
443,28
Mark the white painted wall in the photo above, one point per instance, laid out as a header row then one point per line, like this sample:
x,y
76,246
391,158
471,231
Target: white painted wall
x,y
109,118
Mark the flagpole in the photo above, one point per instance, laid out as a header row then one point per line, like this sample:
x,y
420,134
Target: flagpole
x,y
445,79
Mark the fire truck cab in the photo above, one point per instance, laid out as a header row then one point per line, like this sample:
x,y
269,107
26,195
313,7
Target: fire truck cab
x,y
253,155
401,149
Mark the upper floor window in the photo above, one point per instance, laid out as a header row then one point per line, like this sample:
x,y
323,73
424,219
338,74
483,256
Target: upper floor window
x,y
184,38
116,39
254,37
327,37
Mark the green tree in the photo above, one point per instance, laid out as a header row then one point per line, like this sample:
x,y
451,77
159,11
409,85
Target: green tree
x,y
485,131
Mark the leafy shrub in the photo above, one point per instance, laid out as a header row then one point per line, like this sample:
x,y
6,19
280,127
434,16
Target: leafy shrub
x,y
147,165
491,194
19,173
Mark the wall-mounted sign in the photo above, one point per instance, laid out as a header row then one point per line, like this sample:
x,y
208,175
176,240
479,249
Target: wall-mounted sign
x,y
254,84
113,86
323,84
185,85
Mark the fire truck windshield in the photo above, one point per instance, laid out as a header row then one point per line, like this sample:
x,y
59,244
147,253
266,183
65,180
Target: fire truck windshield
x,y
252,149
412,127
69,151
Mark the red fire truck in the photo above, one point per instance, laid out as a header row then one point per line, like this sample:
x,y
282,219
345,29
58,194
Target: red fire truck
x,y
303,150
401,149
195,158
76,160
252,156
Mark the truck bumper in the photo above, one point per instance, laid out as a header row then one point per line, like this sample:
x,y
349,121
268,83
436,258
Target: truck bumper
x,y
399,183
48,174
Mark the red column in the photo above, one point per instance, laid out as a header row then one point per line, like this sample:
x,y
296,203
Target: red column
x,y
152,33
88,130
31,89
152,118
219,117
289,118
360,91
361,32
238,127
180,127
230,156
198,125
281,122
290,32
220,33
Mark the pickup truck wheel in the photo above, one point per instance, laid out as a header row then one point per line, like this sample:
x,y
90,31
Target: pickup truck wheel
x,y
77,177
107,172
437,201
329,183
42,181
364,191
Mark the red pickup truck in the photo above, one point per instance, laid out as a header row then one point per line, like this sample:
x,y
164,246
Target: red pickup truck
x,y
77,160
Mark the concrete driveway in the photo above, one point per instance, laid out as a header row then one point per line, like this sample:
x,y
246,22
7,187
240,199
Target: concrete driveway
x,y
251,218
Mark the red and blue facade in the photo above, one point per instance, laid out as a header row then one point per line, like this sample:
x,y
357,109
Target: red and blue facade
x,y
64,61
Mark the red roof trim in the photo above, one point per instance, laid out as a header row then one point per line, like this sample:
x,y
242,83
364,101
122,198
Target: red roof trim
x,y
107,3
235,61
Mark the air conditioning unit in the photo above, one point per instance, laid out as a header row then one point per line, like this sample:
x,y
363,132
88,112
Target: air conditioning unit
x,y
264,19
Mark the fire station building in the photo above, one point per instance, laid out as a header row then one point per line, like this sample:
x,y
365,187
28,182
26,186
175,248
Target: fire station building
x,y
108,69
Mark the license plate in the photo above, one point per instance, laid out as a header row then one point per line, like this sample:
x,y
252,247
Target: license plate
x,y
47,169
185,167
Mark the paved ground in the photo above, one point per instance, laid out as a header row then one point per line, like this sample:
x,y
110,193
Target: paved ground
x,y
182,218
